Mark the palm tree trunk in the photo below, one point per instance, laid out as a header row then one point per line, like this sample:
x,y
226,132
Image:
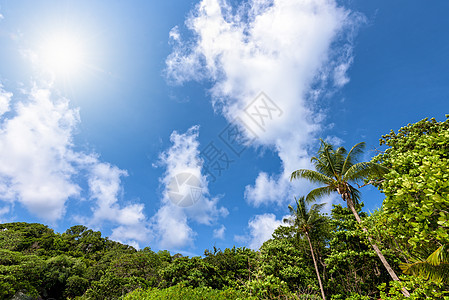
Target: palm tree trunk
x,y
316,266
387,266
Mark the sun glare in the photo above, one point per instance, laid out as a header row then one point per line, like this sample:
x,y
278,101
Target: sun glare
x,y
63,54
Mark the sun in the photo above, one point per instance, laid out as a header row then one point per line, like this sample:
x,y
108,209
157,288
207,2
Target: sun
x,y
63,53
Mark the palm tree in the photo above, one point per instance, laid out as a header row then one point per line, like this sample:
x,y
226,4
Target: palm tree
x,y
435,267
305,221
337,169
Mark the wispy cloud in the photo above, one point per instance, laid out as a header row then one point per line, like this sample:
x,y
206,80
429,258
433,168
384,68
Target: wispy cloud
x,y
334,140
5,99
171,222
219,233
3,211
291,50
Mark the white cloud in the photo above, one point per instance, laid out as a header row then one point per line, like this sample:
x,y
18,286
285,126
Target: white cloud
x,y
5,99
172,228
183,156
174,34
171,222
219,233
334,140
340,74
36,157
261,228
40,169
281,48
132,235
3,211
104,184
105,188
268,188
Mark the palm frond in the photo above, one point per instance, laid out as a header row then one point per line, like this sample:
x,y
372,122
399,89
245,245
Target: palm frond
x,y
328,153
434,268
320,192
341,150
305,219
352,156
339,159
427,271
438,256
355,194
291,209
301,207
322,166
324,161
362,170
317,207
314,213
312,176
297,212
288,220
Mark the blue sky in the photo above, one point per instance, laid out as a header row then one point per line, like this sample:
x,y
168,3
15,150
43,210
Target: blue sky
x,y
104,103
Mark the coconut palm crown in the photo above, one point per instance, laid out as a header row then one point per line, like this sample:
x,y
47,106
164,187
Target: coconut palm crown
x,y
305,220
338,170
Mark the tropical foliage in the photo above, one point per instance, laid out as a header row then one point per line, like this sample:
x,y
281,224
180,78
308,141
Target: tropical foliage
x,y
411,228
306,222
181,292
434,268
338,170
353,266
416,205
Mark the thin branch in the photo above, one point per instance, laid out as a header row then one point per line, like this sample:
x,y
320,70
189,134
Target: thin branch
x,y
370,182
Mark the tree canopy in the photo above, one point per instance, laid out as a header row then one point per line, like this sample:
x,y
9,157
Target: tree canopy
x,y
411,228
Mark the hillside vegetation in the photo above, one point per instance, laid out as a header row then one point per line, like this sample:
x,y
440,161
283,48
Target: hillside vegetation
x,y
411,231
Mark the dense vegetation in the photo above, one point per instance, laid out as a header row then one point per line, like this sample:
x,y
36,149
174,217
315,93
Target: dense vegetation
x,y
338,250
